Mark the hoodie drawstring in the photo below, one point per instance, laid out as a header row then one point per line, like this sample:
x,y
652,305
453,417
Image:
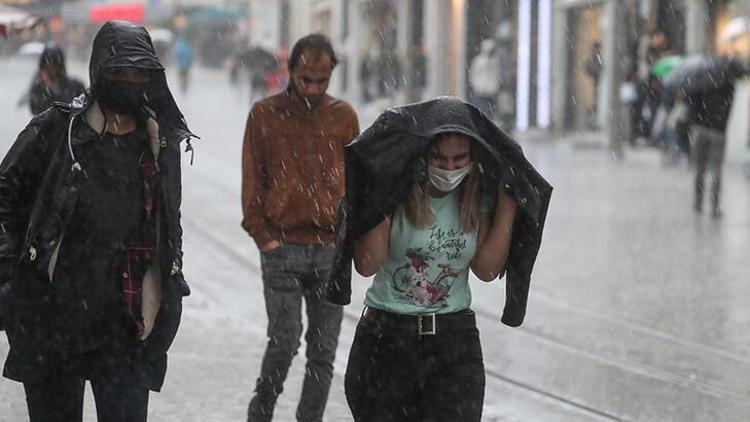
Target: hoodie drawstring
x,y
189,148
76,166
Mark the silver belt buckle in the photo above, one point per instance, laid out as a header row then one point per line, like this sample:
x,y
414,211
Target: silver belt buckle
x,y
430,329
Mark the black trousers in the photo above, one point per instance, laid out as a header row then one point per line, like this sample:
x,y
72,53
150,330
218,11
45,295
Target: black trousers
x,y
396,375
58,395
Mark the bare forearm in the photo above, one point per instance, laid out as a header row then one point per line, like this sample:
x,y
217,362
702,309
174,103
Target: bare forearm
x,y
492,253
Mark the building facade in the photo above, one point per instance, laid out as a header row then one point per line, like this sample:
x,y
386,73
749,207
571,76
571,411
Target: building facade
x,y
624,29
407,50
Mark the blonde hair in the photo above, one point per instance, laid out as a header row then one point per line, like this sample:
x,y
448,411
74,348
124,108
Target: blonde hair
x,y
417,206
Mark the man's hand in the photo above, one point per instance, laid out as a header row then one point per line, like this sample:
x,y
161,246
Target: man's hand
x,y
268,247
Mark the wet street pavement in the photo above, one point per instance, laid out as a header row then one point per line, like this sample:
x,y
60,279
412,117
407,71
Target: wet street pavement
x,y
638,311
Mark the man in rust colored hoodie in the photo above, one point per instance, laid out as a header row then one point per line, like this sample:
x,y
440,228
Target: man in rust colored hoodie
x,y
292,180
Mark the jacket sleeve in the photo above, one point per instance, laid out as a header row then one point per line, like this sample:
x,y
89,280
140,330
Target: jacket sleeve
x,y
175,189
150,355
37,97
21,173
253,181
339,288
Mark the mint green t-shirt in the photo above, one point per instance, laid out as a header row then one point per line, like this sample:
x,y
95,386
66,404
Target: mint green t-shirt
x,y
426,269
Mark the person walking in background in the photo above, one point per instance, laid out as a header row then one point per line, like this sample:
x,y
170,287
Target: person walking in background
x,y
676,127
292,180
593,67
91,284
484,77
419,77
709,111
183,56
51,83
277,77
656,46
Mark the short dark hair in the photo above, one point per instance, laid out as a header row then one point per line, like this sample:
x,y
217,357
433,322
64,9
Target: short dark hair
x,y
315,42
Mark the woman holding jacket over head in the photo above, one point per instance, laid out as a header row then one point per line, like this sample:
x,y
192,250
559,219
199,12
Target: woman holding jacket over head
x,y
416,355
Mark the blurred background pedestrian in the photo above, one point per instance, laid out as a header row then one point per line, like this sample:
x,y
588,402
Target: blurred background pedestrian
x,y
182,53
51,82
484,76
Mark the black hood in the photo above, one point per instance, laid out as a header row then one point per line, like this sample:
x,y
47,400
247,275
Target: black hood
x,y
123,43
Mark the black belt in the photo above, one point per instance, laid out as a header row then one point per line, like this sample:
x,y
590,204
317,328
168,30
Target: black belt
x,y
423,324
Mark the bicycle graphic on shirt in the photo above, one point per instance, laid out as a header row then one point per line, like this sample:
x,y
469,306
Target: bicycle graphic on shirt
x,y
412,281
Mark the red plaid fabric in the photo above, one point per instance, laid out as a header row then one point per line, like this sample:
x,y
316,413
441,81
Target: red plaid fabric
x,y
140,253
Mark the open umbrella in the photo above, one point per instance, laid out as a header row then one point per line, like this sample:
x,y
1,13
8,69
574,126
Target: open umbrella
x,y
665,65
258,60
700,74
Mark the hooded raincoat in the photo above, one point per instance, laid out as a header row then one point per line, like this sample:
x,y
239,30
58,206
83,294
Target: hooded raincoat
x,y
40,96
40,179
381,166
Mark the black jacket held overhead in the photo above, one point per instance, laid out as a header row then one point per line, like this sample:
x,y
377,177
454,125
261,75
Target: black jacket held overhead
x,y
41,178
380,170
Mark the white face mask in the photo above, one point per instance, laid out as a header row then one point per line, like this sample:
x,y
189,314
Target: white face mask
x,y
447,180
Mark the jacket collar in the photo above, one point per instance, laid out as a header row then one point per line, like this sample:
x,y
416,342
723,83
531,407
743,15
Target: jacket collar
x,y
85,105
95,120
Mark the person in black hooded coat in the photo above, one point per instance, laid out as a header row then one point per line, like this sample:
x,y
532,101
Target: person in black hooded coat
x,y
432,190
52,83
91,284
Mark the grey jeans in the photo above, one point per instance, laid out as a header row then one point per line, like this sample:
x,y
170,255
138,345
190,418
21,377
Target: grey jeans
x,y
708,149
290,273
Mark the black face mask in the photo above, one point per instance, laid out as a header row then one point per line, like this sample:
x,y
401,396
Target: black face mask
x,y
121,97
